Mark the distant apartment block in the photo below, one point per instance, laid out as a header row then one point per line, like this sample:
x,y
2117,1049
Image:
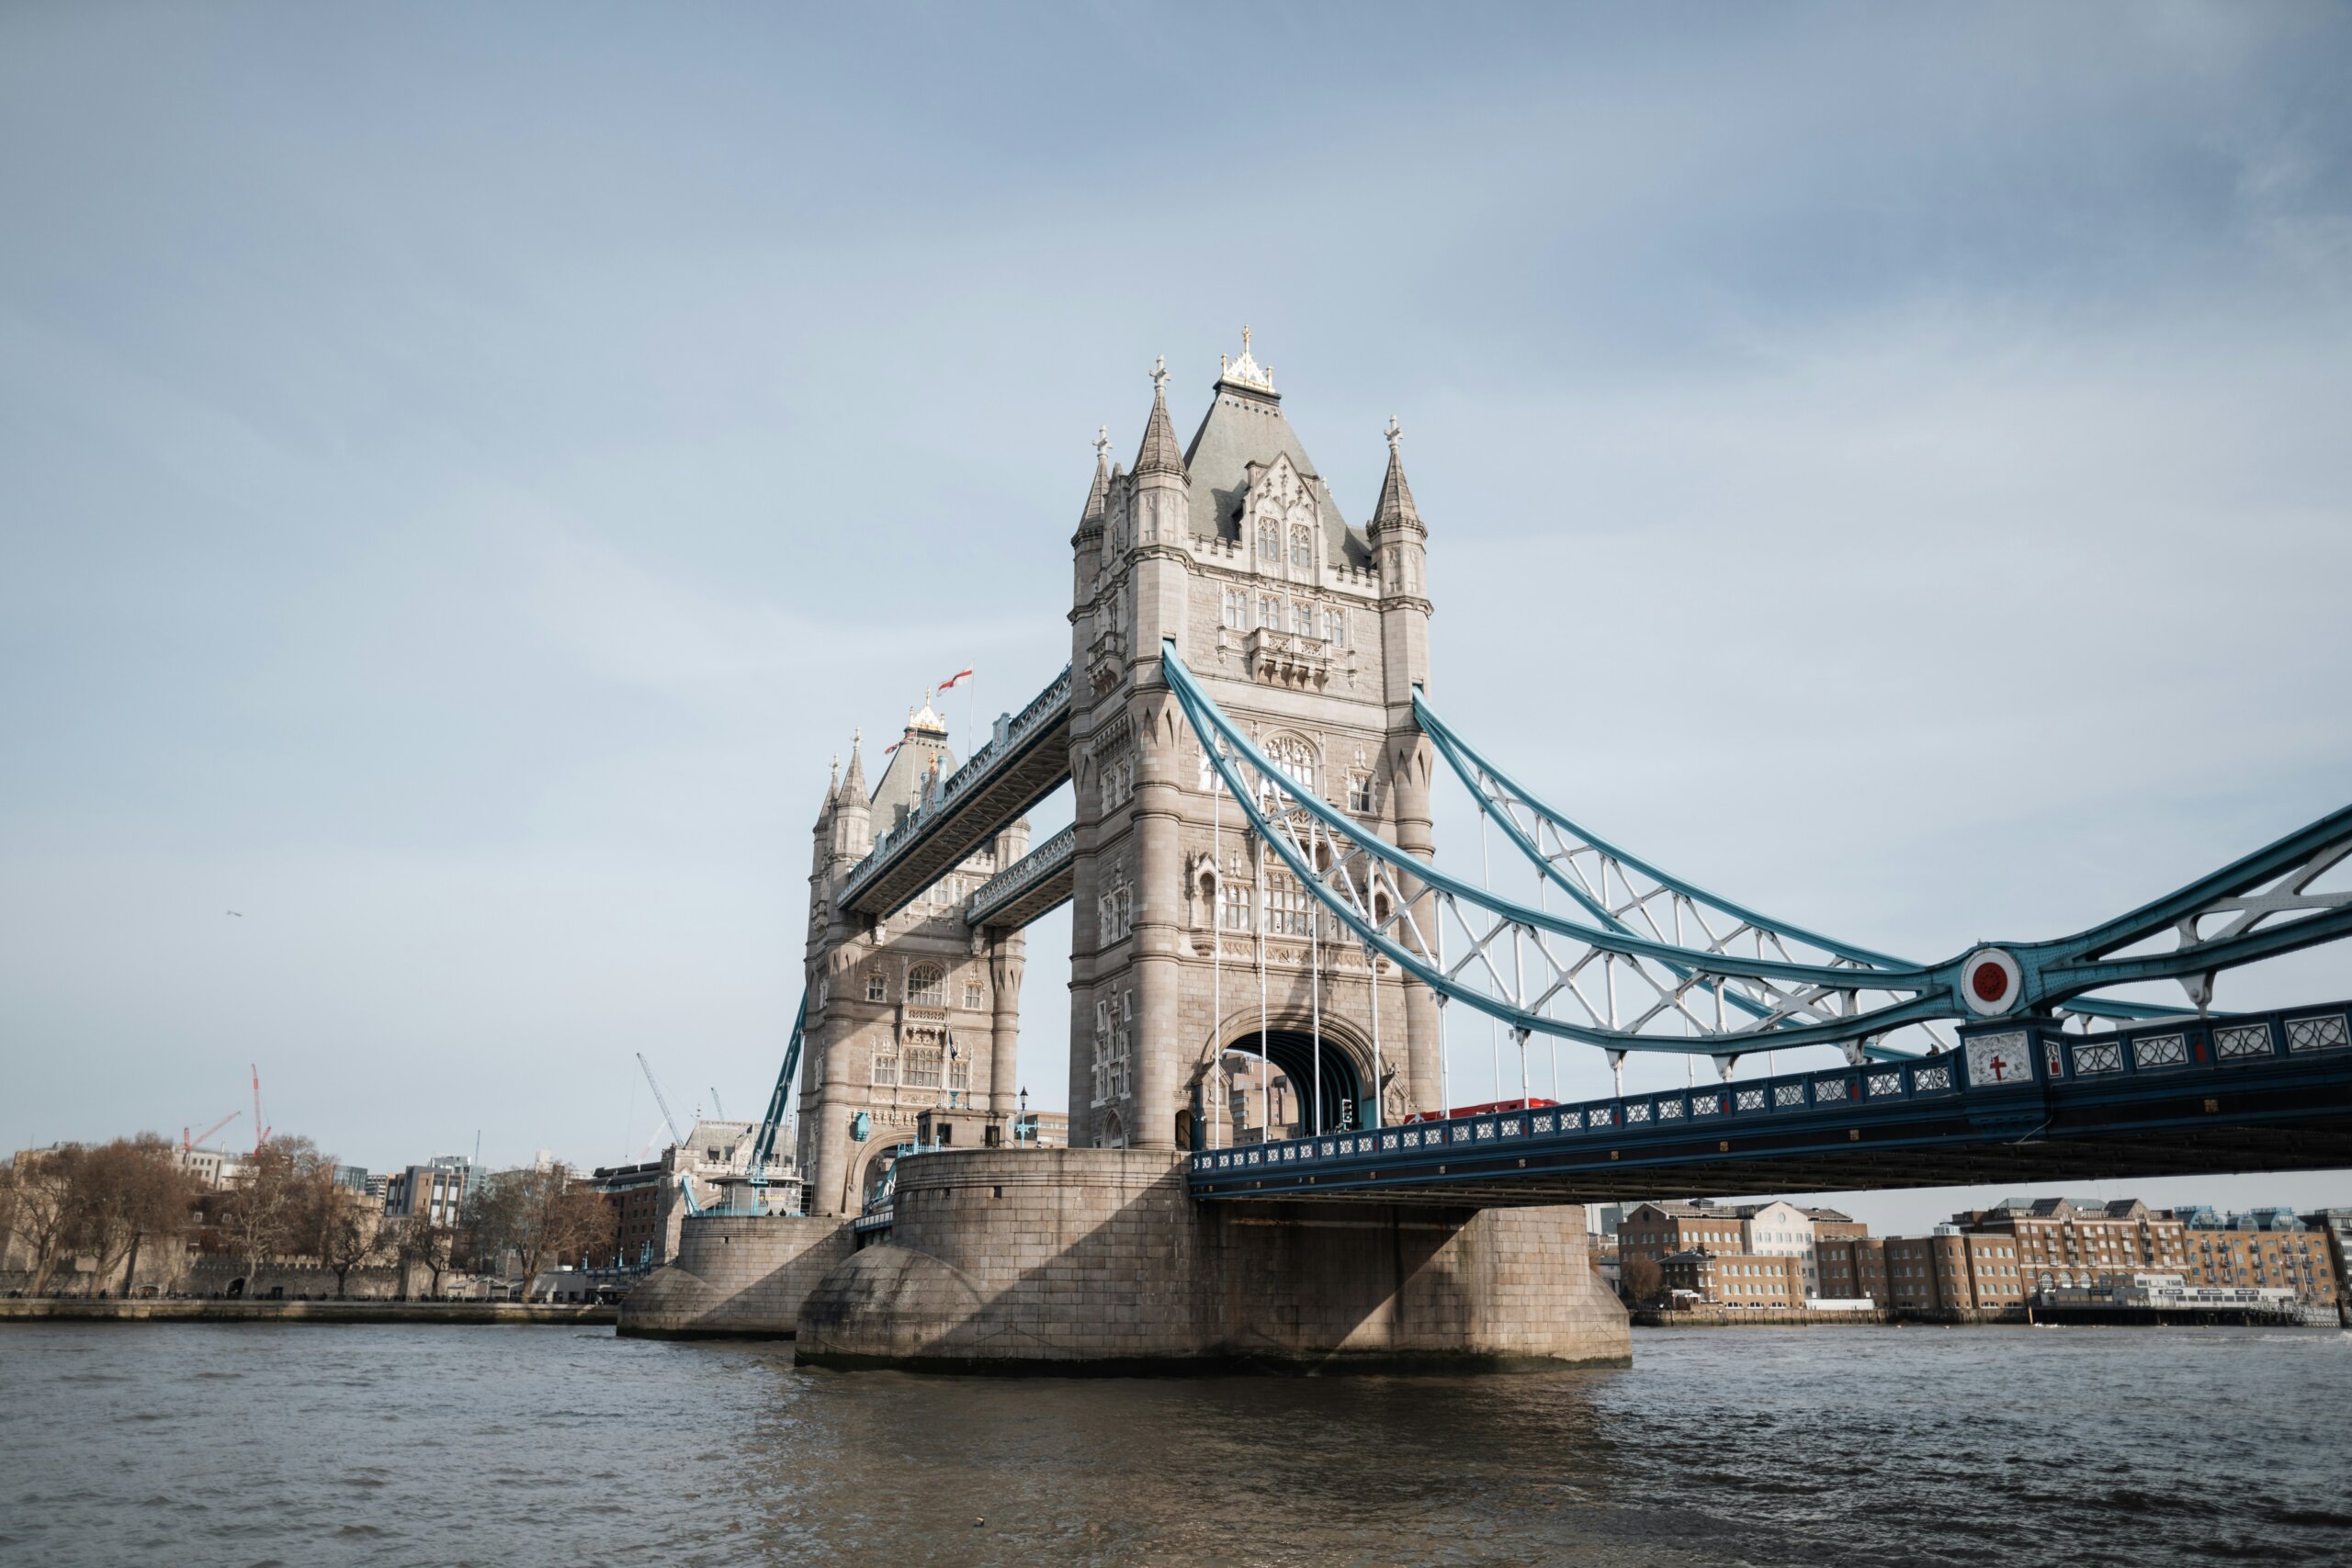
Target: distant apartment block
x,y
1780,1256
435,1192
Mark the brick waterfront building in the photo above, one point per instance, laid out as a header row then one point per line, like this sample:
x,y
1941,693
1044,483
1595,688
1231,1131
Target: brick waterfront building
x,y
1755,1255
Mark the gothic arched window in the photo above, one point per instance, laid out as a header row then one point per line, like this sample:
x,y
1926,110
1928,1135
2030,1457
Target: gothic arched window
x,y
1295,757
1302,545
926,988
1270,541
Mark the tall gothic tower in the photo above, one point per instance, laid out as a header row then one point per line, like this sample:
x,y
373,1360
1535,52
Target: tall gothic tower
x,y
1311,634
913,1013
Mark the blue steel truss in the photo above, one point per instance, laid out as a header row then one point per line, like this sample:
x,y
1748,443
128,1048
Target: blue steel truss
x,y
1633,896
1601,982
764,1147
755,1176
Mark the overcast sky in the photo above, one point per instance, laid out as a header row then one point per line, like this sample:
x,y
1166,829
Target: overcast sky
x,y
462,477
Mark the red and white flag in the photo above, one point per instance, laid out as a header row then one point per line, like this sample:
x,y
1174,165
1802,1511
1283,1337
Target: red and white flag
x,y
949,683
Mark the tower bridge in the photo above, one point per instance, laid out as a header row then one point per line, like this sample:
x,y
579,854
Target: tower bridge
x,y
1266,1159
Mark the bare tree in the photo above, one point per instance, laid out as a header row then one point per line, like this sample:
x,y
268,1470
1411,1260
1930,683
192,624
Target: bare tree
x,y
280,1205
40,1209
420,1243
352,1237
125,1193
1642,1278
544,1217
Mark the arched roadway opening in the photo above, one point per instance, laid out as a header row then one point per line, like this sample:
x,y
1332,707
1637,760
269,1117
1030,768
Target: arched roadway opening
x,y
1292,1082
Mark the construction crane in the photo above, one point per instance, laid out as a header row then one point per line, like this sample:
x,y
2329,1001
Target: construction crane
x,y
661,1099
189,1142
261,1133
716,1108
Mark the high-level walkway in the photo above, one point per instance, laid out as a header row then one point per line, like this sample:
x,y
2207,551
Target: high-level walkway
x,y
1038,882
1025,761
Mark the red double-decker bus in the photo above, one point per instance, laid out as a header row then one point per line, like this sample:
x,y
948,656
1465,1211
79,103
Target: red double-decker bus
x,y
1531,1104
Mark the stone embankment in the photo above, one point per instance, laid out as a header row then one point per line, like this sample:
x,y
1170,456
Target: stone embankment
x,y
1721,1317
58,1309
1706,1317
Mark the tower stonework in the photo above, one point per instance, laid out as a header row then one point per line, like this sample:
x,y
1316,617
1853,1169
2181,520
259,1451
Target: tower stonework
x,y
912,1014
1313,635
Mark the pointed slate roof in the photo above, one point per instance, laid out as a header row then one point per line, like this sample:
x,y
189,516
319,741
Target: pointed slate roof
x,y
900,791
1245,425
1159,454
1097,498
853,785
832,792
1395,496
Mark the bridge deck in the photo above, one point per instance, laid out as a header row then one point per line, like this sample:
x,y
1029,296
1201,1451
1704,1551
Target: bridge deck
x,y
2262,1092
1024,762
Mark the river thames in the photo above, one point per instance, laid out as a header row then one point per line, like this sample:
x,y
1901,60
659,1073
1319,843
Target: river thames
x,y
201,1444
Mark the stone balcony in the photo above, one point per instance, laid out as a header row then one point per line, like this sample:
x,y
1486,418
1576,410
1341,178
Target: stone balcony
x,y
1106,661
1291,659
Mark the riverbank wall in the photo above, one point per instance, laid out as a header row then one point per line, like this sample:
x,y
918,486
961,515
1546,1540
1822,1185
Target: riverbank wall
x,y
60,1309
1717,1317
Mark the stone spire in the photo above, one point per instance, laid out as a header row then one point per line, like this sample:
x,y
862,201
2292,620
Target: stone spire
x,y
1097,500
852,829
1395,507
852,784
1160,453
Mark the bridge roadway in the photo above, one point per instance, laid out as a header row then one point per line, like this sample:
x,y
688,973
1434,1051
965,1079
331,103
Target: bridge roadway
x,y
1026,760
2178,1096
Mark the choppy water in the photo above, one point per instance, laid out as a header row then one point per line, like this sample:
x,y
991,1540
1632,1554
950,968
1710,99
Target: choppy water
x,y
195,1444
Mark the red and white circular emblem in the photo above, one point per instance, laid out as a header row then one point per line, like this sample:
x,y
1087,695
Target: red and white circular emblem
x,y
1990,982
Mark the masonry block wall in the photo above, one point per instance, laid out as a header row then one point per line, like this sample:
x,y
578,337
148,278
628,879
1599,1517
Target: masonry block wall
x,y
1095,1259
736,1274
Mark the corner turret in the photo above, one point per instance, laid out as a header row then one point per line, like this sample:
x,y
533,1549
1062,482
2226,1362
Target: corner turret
x,y
852,814
1399,553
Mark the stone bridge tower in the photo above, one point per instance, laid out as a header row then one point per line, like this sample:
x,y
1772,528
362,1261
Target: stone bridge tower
x,y
1192,949
1311,634
914,1013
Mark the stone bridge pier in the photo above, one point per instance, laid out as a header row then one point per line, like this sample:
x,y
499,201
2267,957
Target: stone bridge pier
x,y
1089,1261
1095,1261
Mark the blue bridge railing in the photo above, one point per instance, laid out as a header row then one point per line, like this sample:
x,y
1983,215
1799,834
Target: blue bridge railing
x,y
1998,1073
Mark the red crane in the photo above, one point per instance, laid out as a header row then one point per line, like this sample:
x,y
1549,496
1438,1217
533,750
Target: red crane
x,y
261,1134
188,1143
